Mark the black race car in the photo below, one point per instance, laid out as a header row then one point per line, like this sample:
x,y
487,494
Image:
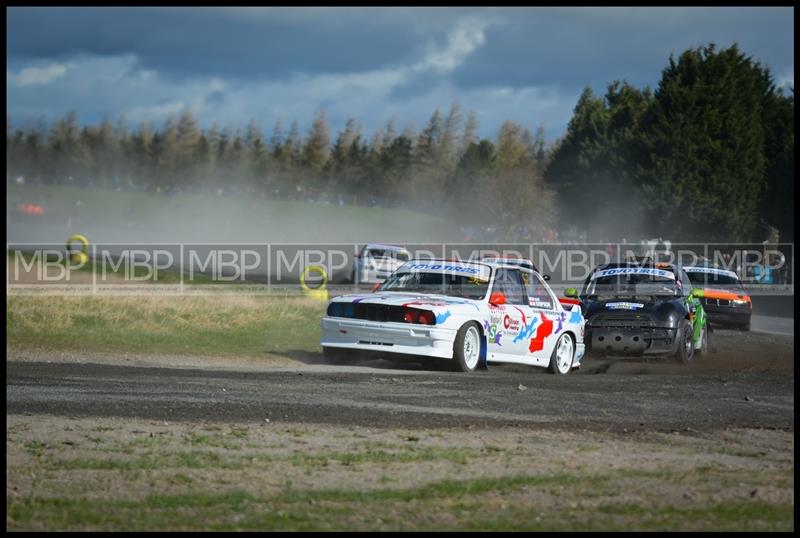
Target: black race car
x,y
638,309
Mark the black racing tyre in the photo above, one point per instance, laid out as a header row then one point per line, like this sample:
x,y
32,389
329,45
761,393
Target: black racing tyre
x,y
587,340
685,351
563,355
467,347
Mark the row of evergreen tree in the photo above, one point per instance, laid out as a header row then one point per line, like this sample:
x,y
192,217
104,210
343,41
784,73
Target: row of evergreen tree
x,y
709,155
445,165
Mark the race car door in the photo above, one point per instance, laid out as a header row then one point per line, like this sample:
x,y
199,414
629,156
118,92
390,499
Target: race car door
x,y
545,318
504,331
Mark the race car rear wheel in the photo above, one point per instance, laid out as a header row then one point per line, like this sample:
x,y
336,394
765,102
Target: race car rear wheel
x,y
467,347
685,351
563,355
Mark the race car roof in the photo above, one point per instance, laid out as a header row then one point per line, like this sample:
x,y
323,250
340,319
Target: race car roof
x,y
385,246
513,261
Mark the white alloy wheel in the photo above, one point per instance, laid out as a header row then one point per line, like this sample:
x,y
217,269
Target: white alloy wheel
x,y
472,347
563,355
467,347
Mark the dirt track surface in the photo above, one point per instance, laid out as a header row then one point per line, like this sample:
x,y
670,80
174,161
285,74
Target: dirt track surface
x,y
749,382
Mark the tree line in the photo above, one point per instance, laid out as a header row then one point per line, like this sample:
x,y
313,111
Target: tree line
x,y
445,165
708,155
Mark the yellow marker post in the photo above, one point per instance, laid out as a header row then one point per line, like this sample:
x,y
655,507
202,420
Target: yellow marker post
x,y
79,256
319,292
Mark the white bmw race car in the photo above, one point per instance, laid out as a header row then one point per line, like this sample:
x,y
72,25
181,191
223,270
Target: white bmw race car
x,y
471,312
377,261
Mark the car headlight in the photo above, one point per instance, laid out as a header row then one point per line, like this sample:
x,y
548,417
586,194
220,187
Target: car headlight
x,y
740,302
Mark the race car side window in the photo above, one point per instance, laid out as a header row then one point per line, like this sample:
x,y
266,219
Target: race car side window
x,y
509,282
538,297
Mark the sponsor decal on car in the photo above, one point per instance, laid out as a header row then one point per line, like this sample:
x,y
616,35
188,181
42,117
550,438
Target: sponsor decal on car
x,y
440,318
544,330
526,330
493,335
624,306
442,301
481,272
561,317
633,271
511,324
538,303
711,271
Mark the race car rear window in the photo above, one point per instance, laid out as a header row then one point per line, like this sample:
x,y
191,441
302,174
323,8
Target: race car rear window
x,y
632,280
709,278
385,253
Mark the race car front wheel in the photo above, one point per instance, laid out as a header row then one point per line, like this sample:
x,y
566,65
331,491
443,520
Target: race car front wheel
x,y
563,355
685,351
467,347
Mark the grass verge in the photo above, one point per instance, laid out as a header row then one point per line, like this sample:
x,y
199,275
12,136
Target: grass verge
x,y
197,325
135,475
446,505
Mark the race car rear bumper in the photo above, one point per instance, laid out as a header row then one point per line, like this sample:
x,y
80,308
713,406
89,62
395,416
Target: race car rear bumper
x,y
388,337
737,316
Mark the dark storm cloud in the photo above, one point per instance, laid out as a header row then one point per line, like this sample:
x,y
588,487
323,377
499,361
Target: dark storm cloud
x,y
531,46
235,64
572,47
209,41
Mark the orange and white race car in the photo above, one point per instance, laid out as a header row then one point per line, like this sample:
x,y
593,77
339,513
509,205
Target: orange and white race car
x,y
723,297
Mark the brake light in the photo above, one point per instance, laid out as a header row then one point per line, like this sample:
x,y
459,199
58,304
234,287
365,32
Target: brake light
x,y
423,317
427,318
